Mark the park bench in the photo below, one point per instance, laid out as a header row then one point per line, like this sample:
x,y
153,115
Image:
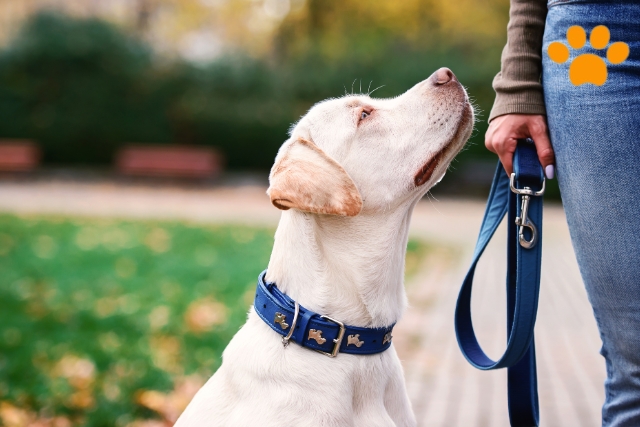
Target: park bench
x,y
169,161
18,155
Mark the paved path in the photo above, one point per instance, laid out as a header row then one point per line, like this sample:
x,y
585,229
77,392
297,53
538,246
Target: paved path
x,y
445,390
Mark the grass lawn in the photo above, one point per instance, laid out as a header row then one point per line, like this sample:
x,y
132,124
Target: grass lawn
x,y
118,323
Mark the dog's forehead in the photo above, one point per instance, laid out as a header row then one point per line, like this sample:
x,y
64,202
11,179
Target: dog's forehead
x,y
347,102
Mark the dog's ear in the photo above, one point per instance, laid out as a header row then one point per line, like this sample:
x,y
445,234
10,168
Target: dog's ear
x,y
305,178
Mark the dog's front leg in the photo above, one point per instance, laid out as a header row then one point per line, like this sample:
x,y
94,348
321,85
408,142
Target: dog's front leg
x,y
396,400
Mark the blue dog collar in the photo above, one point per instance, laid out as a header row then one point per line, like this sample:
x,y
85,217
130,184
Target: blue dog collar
x,y
312,330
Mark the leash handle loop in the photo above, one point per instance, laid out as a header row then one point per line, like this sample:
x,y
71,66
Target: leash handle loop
x,y
524,254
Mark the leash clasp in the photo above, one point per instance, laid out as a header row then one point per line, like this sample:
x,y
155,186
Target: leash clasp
x,y
337,341
523,220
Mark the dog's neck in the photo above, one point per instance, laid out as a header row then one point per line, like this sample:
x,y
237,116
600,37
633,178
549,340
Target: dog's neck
x,y
351,269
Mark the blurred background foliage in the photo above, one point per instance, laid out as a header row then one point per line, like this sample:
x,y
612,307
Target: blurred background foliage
x,y
84,86
105,322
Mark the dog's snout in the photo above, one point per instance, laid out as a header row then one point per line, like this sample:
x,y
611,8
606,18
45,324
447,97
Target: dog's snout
x,y
443,76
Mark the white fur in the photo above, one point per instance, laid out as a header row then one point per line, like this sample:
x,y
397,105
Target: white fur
x,y
348,267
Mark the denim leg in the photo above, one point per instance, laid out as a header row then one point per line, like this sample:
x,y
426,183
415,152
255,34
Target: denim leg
x,y
595,132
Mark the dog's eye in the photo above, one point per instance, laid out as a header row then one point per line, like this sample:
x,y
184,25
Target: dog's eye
x,y
363,115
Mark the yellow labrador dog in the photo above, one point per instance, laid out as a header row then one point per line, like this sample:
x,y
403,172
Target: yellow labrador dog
x,y
347,180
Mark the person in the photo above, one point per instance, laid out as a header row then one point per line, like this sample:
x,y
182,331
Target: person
x,y
567,83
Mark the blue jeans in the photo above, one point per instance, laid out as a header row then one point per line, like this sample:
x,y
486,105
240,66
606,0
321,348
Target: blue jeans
x,y
595,132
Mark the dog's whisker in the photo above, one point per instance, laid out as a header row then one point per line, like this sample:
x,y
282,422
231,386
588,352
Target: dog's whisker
x,y
429,196
376,89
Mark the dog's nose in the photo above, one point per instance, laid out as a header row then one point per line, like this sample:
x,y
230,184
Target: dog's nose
x,y
443,76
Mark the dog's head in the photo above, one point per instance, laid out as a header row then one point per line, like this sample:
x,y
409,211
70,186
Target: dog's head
x,y
356,153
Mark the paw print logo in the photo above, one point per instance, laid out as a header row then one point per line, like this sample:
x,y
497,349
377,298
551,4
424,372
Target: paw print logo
x,y
588,68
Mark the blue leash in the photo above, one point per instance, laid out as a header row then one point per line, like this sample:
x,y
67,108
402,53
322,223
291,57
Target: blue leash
x,y
520,197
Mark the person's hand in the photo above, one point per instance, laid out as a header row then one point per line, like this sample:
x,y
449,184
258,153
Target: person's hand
x,y
504,131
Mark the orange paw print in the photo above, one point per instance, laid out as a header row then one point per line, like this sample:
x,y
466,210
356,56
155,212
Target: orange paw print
x,y
588,68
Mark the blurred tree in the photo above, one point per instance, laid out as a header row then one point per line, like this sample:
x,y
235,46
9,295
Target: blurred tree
x,y
171,26
82,88
204,29
76,86
142,16
340,29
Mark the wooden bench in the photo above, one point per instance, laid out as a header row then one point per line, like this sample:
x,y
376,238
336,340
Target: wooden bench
x,y
19,155
169,161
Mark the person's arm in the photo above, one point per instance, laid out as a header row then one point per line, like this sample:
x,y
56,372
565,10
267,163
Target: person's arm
x,y
519,111
517,85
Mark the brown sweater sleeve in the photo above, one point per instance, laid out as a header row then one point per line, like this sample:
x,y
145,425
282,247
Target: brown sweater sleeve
x,y
517,85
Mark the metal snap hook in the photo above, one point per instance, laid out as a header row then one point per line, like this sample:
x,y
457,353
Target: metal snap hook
x,y
524,221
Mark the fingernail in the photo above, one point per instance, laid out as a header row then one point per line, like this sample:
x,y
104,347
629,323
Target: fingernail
x,y
549,171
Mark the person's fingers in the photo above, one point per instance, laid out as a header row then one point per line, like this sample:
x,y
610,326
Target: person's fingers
x,y
488,137
503,134
540,136
505,149
497,140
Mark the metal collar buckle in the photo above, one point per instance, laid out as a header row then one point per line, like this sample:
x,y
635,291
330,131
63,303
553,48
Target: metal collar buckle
x,y
285,339
337,341
523,220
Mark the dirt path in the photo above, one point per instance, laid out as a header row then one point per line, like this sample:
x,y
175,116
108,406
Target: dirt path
x,y
445,390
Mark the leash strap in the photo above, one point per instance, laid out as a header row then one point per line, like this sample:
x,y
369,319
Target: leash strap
x,y
524,252
309,329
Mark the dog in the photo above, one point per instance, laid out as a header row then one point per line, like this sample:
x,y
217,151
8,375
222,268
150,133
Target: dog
x,y
347,181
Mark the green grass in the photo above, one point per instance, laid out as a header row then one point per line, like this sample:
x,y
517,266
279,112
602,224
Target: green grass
x,y
95,314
